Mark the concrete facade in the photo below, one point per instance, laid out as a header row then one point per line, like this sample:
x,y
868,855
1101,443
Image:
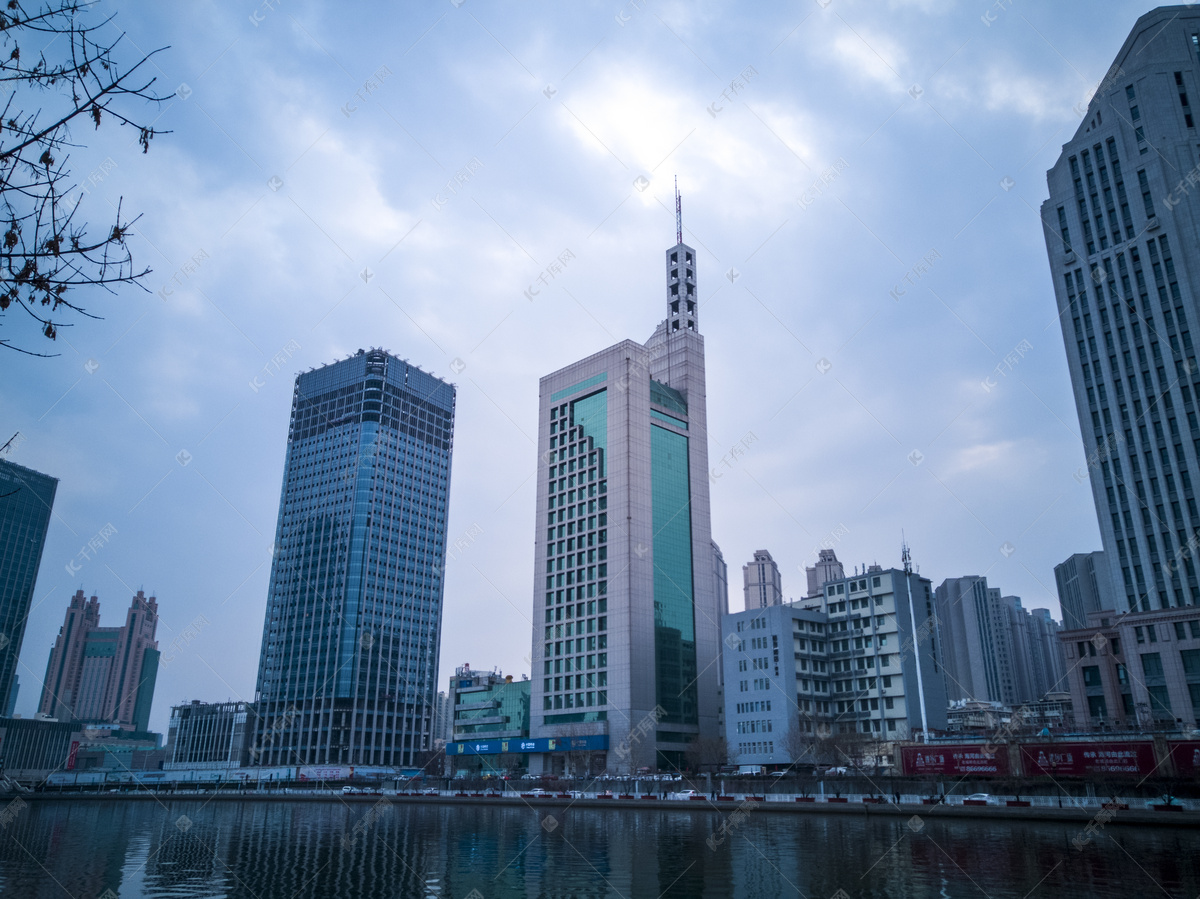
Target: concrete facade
x,y
861,659
1084,585
1121,225
762,585
1139,670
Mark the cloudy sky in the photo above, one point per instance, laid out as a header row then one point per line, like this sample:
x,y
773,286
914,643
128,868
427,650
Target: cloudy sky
x,y
861,178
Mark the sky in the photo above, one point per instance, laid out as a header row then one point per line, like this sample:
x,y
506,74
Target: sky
x,y
862,180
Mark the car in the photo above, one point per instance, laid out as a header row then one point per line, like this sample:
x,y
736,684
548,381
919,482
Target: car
x,y
686,794
431,791
576,794
978,797
538,792
779,774
347,791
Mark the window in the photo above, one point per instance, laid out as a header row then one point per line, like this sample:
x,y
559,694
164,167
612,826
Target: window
x,y
1191,662
1097,707
1160,702
1152,664
1091,676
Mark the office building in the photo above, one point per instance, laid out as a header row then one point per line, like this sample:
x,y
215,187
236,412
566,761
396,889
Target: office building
x,y
626,605
103,674
1121,227
761,582
857,666
1135,670
490,721
210,736
347,674
26,498
1084,586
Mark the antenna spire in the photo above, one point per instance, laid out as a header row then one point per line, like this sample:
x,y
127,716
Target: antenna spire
x,y
678,214
905,555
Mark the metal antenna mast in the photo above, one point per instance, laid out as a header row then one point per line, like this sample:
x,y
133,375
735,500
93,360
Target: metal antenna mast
x,y
678,214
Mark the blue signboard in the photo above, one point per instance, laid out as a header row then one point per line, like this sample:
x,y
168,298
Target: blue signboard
x,y
596,742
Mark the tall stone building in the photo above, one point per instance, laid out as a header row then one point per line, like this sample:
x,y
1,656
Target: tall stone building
x,y
1121,226
761,582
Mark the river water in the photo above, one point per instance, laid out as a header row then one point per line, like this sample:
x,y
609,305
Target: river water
x,y
186,849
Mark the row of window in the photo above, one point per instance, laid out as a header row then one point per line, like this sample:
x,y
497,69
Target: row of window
x,y
1159,399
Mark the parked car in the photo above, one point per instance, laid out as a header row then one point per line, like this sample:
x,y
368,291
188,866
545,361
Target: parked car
x,y
431,791
978,797
576,794
686,794
348,790
538,792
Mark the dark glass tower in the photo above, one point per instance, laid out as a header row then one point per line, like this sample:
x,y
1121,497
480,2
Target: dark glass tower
x,y
26,497
349,658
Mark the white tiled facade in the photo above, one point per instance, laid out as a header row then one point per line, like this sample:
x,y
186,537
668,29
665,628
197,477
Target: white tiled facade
x,y
863,657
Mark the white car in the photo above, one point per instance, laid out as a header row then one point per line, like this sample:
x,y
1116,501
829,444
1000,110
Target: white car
x,y
538,792
431,792
978,797
686,794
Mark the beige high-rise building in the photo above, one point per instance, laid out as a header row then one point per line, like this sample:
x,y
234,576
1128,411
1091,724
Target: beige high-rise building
x,y
761,582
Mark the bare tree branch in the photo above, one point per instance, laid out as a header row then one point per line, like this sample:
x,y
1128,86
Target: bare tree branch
x,y
44,251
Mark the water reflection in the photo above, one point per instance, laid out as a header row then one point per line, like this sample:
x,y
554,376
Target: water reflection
x,y
190,849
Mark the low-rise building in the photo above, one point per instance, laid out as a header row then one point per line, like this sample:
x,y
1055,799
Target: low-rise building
x,y
490,720
858,664
210,735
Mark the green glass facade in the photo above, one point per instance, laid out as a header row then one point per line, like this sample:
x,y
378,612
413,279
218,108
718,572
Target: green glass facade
x,y
590,415
507,701
674,602
26,497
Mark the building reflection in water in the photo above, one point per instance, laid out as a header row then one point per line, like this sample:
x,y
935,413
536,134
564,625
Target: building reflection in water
x,y
391,850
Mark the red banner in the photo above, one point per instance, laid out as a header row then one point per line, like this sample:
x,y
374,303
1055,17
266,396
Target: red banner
x,y
71,755
1186,757
967,759
1077,759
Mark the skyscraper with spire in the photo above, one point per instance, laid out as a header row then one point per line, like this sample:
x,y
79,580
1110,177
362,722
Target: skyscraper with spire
x,y
625,606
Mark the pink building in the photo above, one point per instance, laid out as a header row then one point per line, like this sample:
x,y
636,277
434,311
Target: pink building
x,y
103,674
